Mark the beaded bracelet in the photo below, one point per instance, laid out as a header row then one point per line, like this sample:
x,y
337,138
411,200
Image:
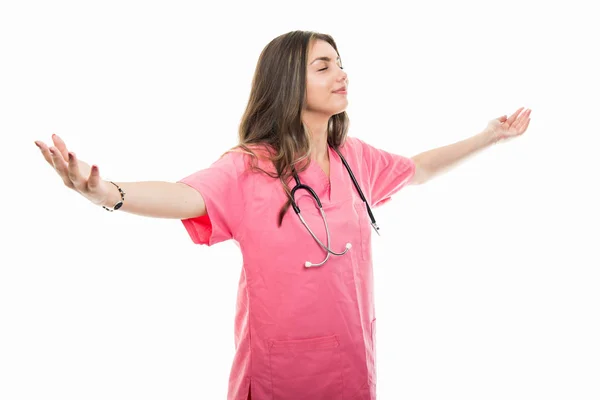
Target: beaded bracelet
x,y
120,203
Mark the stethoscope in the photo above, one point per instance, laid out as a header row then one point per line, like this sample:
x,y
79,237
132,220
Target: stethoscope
x,y
299,185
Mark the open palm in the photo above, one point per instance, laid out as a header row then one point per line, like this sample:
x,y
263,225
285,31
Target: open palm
x,y
75,174
515,125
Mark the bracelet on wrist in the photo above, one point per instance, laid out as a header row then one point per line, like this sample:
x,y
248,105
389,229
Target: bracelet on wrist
x,y
119,204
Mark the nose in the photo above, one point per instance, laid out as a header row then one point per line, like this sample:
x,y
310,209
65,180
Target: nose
x,y
343,76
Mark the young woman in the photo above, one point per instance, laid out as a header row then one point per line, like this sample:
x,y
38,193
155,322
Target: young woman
x,y
296,194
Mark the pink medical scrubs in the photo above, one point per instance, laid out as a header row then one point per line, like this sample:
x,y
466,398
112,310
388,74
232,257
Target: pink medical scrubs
x,y
300,333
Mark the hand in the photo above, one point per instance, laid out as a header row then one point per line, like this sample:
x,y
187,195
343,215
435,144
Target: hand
x,y
503,128
76,174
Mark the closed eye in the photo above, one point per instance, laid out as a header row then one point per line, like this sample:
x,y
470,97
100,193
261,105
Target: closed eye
x,y
323,69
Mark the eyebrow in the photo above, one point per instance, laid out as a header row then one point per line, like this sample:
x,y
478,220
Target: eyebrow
x,y
328,59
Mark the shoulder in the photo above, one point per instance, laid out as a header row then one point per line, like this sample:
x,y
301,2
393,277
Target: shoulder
x,y
355,143
350,142
354,147
373,156
242,159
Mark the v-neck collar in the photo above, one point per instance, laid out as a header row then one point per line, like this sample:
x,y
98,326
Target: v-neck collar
x,y
331,194
337,189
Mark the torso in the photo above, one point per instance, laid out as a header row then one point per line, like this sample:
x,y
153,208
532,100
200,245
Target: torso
x,y
311,328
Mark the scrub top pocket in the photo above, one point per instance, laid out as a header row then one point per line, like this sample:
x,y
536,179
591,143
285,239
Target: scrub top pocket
x,y
306,369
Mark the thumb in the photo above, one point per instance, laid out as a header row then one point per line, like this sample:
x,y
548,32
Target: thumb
x,y
502,118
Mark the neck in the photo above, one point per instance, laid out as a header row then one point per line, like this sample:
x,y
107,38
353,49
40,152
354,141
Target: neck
x,y
317,127
320,147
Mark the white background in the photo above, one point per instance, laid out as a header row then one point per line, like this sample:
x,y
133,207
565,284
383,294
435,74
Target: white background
x,y
486,278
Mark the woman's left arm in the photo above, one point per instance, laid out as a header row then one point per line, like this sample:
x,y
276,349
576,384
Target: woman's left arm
x,y
437,161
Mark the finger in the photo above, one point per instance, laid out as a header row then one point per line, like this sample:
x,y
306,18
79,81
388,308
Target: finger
x,y
61,146
524,126
520,123
513,117
45,152
94,179
60,166
523,122
73,169
502,118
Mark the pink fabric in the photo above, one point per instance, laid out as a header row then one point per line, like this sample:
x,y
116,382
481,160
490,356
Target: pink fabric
x,y
300,333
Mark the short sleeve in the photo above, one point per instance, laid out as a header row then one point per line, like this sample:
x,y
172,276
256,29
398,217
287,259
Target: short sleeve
x,y
221,187
387,172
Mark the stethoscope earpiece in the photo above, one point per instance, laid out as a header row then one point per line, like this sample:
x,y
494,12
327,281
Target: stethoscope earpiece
x,y
308,264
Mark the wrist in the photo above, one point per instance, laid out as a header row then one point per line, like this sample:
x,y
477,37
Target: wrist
x,y
489,137
114,199
111,192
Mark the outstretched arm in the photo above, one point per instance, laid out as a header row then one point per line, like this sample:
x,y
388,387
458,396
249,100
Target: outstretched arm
x,y
150,198
435,162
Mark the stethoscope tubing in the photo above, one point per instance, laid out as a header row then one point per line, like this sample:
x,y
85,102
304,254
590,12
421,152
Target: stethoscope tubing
x,y
327,249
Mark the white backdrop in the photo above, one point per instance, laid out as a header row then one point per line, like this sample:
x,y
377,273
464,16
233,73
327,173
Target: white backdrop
x,y
486,279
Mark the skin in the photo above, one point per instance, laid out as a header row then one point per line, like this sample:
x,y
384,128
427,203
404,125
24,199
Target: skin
x,y
322,79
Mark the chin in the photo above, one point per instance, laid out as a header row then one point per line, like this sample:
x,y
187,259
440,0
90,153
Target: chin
x,y
331,110
339,109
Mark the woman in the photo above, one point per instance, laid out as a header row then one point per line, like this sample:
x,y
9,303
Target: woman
x,y
305,322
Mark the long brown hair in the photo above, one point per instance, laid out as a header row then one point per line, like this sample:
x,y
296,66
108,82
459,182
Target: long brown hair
x,y
272,120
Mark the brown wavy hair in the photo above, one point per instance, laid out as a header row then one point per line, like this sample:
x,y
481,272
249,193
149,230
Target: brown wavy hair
x,y
272,119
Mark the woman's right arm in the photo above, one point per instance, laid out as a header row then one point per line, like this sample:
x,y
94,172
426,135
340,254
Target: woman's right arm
x,y
156,199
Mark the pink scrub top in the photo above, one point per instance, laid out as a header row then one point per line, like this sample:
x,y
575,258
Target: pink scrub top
x,y
300,333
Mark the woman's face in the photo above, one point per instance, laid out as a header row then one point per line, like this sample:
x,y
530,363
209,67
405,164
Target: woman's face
x,y
324,79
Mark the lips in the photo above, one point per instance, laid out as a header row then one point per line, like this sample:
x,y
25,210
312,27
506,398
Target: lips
x,y
342,89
